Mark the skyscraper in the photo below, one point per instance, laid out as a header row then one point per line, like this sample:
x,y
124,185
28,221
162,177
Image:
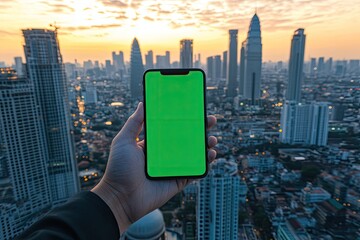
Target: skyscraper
x,y
186,53
46,71
217,67
296,63
24,186
136,70
253,60
149,60
242,68
224,65
312,66
232,68
218,202
118,61
304,123
321,65
210,67
19,66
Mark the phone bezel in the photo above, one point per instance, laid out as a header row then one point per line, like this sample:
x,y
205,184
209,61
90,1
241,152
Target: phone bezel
x,y
176,71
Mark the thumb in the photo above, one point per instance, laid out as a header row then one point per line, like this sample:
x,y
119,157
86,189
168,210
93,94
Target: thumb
x,y
133,125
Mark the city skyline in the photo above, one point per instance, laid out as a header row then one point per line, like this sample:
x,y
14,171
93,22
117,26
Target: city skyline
x,y
93,29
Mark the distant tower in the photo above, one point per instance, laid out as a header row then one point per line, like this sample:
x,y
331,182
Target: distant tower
x,y
224,65
218,202
19,66
217,67
296,63
23,156
118,61
312,67
232,68
186,53
242,68
253,60
149,60
210,68
46,70
136,70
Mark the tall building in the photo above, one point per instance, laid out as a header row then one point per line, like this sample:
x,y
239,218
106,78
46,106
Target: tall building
x,y
321,65
136,70
24,186
218,202
46,71
118,61
163,61
210,68
186,53
242,68
313,67
149,60
253,60
19,66
224,65
304,123
296,63
217,67
232,67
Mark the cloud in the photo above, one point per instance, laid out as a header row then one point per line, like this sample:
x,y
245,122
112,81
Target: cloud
x,y
6,33
102,26
57,7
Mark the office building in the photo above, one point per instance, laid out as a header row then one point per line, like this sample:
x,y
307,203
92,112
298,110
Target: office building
x,y
149,60
46,71
217,67
253,61
218,202
328,66
19,66
186,53
210,68
118,61
224,65
310,194
313,67
296,63
304,123
291,229
163,61
321,65
232,67
242,68
136,70
24,186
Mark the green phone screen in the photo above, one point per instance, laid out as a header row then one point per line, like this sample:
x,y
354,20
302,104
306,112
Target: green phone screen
x,y
175,134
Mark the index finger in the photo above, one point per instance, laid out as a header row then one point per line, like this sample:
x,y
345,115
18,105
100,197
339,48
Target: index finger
x,y
211,121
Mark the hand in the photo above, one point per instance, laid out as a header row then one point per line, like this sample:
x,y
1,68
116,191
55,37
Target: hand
x,y
124,186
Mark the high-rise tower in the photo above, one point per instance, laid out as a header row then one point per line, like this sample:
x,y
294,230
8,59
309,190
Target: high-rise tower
x,y
186,53
242,68
24,186
136,70
46,71
224,65
296,63
253,60
218,202
232,67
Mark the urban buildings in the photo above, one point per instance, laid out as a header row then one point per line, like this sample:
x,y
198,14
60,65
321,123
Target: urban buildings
x,y
218,202
186,53
19,66
242,68
149,60
24,179
253,61
136,70
311,194
46,71
224,65
296,63
232,64
118,61
304,123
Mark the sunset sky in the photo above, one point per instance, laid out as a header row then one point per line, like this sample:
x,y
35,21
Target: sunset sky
x,y
92,29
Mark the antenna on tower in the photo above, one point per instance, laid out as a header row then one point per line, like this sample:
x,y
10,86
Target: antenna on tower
x,y
56,27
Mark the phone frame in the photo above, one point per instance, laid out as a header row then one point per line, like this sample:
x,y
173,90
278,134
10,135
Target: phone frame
x,y
177,71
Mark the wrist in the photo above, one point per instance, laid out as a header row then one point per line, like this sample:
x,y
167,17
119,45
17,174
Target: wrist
x,y
116,204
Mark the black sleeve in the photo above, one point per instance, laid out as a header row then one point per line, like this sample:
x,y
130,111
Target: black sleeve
x,y
85,216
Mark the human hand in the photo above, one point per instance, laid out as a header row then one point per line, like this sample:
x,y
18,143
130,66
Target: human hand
x,y
124,186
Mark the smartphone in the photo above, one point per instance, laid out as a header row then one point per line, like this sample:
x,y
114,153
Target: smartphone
x,y
175,123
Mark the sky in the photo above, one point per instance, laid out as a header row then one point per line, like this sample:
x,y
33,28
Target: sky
x,y
92,29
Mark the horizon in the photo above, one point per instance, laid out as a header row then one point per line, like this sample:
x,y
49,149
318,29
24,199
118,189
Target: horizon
x,y
91,30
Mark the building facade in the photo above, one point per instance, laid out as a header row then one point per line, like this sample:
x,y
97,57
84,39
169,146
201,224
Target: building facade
x,y
232,64
186,53
218,202
46,71
296,63
136,70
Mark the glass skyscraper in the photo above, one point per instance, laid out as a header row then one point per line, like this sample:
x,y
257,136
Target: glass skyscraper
x,y
46,71
232,65
186,53
136,70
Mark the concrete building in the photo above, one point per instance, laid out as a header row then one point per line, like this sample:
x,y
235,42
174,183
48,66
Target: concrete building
x,y
24,179
19,66
186,53
232,65
296,63
218,202
304,123
224,65
242,68
253,61
311,194
136,70
46,71
149,60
